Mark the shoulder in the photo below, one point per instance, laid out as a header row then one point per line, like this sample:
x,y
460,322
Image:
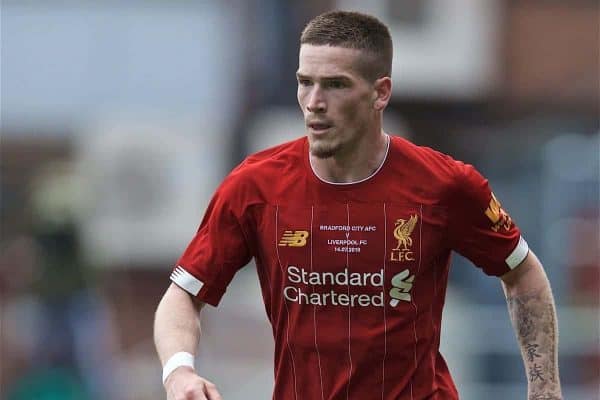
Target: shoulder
x,y
284,152
425,156
276,159
259,169
445,176
425,162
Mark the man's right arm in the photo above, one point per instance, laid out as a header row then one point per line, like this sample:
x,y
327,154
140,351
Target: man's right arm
x,y
177,329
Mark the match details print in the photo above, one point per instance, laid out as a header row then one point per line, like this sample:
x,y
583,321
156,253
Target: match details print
x,y
339,239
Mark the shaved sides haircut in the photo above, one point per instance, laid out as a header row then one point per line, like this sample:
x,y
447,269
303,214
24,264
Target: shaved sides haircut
x,y
354,30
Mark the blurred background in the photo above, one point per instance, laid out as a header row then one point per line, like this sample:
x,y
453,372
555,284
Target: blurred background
x,y
119,119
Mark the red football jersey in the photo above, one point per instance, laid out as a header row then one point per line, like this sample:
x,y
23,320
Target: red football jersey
x,y
353,276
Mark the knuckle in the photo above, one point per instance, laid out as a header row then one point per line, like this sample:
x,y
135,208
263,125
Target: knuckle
x,y
191,391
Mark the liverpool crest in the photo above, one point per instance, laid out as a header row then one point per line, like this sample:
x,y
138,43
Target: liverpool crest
x,y
402,233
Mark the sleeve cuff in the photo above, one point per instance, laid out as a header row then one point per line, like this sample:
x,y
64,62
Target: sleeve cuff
x,y
186,281
518,254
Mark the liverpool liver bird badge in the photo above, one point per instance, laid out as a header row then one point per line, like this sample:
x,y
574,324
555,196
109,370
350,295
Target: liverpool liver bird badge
x,y
403,230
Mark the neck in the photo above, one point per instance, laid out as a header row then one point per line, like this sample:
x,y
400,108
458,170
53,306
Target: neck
x,y
361,162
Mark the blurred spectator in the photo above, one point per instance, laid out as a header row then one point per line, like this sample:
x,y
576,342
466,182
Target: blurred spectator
x,y
70,352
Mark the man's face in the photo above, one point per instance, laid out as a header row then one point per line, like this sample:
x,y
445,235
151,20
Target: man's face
x,y
336,100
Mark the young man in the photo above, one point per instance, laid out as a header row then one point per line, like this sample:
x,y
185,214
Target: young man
x,y
352,231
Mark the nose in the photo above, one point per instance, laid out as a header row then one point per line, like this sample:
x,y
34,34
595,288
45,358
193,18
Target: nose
x,y
316,101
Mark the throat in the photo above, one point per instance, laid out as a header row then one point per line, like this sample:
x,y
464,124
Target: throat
x,y
352,168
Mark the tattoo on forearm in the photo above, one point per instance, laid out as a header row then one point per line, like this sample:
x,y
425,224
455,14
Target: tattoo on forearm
x,y
535,373
532,351
534,320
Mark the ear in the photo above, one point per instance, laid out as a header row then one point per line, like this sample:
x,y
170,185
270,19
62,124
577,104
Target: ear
x,y
382,93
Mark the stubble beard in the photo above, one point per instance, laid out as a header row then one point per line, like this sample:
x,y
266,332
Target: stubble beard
x,y
322,149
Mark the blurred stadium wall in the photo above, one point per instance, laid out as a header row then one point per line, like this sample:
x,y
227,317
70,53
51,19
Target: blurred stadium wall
x,y
118,120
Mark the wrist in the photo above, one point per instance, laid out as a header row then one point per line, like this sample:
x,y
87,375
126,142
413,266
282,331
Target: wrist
x,y
180,359
544,394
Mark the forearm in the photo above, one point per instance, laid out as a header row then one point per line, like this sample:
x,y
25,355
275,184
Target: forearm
x,y
533,314
176,324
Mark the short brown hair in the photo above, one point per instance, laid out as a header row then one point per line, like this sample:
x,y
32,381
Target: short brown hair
x,y
354,30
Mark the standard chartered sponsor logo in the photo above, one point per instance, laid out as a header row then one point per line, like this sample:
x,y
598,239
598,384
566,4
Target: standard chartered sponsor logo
x,y
333,297
300,275
402,284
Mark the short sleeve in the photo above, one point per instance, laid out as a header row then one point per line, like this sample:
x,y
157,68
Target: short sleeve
x,y
479,228
217,251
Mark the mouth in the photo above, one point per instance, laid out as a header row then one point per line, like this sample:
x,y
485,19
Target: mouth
x,y
319,127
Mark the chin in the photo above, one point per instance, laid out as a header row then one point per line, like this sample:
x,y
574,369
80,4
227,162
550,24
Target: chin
x,y
323,151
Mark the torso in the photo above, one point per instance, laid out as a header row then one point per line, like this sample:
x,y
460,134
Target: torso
x,y
354,276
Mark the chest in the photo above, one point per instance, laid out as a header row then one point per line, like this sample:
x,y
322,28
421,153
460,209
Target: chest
x,y
363,237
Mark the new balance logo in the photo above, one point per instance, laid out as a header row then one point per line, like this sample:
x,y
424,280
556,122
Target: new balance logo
x,y
293,238
403,284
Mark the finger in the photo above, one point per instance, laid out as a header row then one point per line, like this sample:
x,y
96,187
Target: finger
x,y
188,394
211,391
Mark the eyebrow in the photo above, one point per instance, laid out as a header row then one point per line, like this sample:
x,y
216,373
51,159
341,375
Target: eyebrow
x,y
325,78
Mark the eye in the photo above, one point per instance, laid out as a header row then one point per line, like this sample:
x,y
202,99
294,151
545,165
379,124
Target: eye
x,y
336,84
303,82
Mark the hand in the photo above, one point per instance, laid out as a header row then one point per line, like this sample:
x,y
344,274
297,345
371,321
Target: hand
x,y
185,384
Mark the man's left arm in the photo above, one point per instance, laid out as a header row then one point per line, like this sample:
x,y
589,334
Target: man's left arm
x,y
533,314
